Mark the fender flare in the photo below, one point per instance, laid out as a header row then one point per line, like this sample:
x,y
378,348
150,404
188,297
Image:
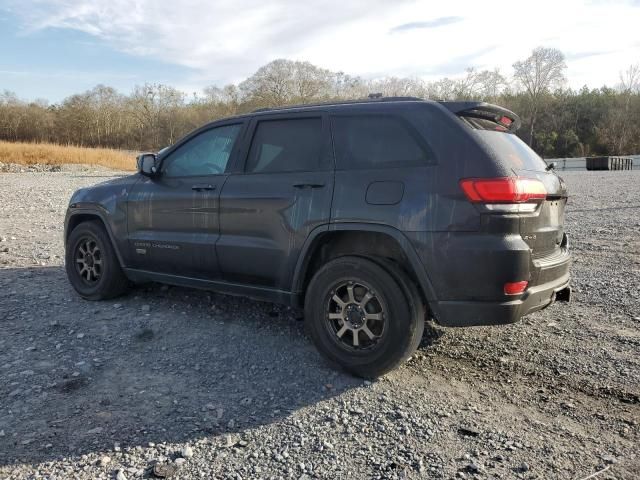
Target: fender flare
x,y
406,246
97,211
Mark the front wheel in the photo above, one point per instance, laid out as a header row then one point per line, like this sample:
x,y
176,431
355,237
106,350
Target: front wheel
x,y
91,263
360,318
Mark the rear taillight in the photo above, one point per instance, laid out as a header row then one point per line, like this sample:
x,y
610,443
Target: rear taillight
x,y
505,194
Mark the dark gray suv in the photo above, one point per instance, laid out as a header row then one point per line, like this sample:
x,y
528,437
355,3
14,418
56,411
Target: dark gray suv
x,y
371,215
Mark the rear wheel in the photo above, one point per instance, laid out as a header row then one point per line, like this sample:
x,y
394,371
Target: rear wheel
x,y
360,317
91,263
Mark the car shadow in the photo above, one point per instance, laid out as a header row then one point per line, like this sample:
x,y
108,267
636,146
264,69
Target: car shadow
x,y
161,364
158,365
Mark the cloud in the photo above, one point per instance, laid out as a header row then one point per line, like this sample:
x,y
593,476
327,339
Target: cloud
x,y
438,22
222,41
593,53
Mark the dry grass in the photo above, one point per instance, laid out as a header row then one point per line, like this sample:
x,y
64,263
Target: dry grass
x,y
51,154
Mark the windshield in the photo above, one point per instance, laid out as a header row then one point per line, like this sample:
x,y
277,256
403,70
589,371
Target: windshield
x,y
510,148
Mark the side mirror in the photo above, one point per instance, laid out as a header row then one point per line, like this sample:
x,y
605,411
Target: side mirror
x,y
146,163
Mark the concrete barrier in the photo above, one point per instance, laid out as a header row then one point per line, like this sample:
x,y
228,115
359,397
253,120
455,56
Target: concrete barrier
x,y
609,163
631,162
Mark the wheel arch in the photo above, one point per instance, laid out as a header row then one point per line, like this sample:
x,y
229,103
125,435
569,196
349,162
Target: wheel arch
x,y
360,239
75,218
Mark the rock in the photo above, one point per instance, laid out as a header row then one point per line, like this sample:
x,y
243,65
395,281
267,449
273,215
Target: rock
x,y
80,335
104,461
230,441
145,308
120,475
609,459
474,468
180,461
94,431
164,470
468,432
187,452
524,467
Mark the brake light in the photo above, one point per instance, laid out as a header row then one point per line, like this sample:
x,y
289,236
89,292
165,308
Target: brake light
x,y
506,121
515,288
503,190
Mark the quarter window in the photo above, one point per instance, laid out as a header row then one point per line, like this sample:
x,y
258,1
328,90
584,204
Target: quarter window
x,y
286,146
205,154
376,141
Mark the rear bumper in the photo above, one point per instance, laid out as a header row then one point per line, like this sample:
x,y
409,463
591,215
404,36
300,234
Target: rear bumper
x,y
468,271
468,314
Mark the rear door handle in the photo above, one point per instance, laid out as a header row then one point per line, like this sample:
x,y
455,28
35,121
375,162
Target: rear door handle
x,y
199,187
308,185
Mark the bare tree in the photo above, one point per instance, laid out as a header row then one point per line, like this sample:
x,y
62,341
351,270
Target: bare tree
x,y
537,75
617,130
567,122
398,87
630,79
282,82
491,83
445,89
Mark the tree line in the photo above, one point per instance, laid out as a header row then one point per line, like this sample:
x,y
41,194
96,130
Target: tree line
x,y
557,121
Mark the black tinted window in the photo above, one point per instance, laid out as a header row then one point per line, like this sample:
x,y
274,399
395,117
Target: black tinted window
x,y
509,148
376,141
205,154
286,146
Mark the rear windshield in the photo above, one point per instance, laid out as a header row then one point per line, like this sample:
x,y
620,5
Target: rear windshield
x,y
509,148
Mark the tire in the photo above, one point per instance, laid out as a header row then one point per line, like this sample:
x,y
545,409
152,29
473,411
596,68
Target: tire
x,y
335,316
107,279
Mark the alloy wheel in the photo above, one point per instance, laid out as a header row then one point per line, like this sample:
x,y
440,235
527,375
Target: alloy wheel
x,y
88,259
355,316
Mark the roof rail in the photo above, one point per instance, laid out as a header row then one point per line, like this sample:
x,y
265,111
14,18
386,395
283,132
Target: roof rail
x,y
341,102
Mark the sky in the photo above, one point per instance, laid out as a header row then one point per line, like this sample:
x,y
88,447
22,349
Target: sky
x,y
52,49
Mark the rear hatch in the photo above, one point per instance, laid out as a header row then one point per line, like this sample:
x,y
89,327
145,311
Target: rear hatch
x,y
543,229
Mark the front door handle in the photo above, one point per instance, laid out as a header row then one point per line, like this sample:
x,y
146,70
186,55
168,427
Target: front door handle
x,y
308,185
199,187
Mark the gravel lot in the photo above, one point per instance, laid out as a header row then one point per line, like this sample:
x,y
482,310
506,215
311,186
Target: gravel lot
x,y
224,387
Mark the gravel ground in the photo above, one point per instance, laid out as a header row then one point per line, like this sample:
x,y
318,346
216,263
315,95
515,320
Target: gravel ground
x,y
221,387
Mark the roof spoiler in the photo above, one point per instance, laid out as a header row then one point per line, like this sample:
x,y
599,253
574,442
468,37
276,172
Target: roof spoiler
x,y
502,116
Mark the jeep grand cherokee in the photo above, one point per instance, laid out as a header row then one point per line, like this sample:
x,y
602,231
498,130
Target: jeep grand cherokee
x,y
372,215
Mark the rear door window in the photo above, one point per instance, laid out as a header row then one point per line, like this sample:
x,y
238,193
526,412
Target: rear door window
x,y
377,141
288,145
